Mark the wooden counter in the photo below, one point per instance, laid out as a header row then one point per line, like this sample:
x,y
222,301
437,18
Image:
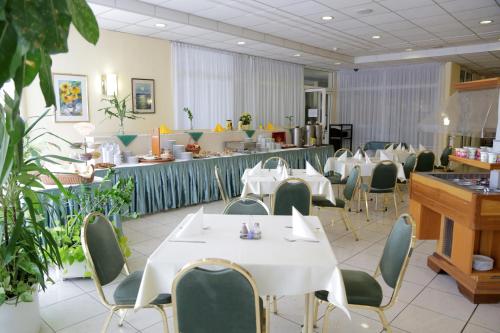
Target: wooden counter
x,y
465,223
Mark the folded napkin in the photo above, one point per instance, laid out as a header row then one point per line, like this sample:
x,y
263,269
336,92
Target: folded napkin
x,y
165,130
358,155
367,159
301,229
283,173
383,156
411,150
192,227
255,169
343,157
421,148
390,148
399,147
218,128
310,171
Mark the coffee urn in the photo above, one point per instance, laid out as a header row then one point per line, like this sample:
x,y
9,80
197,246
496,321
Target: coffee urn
x,y
318,134
310,135
297,136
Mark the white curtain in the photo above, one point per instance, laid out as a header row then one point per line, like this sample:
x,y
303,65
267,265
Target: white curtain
x,y
218,85
387,104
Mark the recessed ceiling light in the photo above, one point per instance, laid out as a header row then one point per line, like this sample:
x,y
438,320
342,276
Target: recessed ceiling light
x,y
376,37
335,48
327,18
241,43
296,55
160,25
337,63
365,11
486,22
408,50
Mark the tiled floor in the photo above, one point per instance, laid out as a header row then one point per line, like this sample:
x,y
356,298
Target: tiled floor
x,y
427,302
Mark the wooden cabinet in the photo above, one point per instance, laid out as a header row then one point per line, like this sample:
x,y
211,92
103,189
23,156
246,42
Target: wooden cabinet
x,y
465,223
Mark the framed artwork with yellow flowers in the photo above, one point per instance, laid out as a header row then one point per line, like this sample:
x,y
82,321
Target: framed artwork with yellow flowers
x,y
71,98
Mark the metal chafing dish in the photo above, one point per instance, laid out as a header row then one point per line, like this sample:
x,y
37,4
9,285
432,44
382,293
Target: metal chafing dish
x,y
240,146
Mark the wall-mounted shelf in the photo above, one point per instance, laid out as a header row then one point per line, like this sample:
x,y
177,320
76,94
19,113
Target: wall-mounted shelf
x,y
475,163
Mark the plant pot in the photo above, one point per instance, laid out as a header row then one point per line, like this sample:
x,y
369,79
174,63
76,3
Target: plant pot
x,y
23,317
76,270
245,127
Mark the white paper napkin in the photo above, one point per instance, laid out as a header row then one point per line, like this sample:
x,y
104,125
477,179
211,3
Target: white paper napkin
x,y
411,150
343,157
310,171
192,227
367,159
283,174
421,148
358,155
390,148
399,147
255,169
301,229
383,156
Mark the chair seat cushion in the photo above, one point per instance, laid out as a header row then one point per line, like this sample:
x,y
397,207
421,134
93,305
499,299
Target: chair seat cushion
x,y
127,290
336,178
360,287
365,187
320,201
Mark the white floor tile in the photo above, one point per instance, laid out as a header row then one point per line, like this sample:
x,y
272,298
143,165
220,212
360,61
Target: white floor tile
x,y
419,320
58,292
488,316
471,328
143,318
448,304
95,324
446,283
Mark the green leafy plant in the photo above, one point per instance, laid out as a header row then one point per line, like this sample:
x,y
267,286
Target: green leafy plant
x,y
290,119
190,116
30,33
246,118
118,109
109,200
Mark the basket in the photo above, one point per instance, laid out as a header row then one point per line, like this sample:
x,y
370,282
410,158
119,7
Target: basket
x,y
68,178
193,150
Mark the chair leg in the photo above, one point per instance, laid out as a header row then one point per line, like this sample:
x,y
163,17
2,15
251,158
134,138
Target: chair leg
x,y
275,305
366,204
384,321
326,320
108,320
395,204
268,314
347,222
315,312
163,318
123,313
344,220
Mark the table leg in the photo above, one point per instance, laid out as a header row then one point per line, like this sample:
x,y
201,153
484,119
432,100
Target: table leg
x,y
308,314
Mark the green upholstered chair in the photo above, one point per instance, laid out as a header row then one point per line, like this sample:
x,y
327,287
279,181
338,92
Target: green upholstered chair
x,y
246,206
444,159
334,177
383,181
273,162
221,185
408,167
106,261
350,188
222,300
375,145
425,161
363,290
292,192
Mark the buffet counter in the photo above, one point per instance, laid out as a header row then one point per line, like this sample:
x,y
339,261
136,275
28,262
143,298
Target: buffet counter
x,y
163,186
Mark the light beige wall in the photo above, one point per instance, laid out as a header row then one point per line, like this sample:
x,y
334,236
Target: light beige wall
x,y
126,55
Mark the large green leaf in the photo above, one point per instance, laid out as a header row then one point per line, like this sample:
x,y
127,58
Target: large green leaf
x,y
84,20
32,66
45,76
8,45
2,9
42,23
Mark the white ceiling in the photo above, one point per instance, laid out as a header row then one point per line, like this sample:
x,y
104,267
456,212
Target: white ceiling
x,y
279,29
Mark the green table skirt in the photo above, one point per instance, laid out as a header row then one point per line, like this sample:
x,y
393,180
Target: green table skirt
x,y
160,187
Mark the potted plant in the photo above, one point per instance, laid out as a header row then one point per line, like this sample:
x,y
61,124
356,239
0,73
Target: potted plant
x,y
118,109
31,34
190,116
113,201
245,119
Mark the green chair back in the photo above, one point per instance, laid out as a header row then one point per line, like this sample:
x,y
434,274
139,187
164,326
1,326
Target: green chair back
x,y
352,183
341,151
445,159
101,248
397,250
221,184
409,165
384,176
425,161
292,192
223,300
246,206
272,162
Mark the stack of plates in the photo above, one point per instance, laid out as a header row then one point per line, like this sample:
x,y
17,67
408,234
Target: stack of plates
x,y
178,150
186,156
482,263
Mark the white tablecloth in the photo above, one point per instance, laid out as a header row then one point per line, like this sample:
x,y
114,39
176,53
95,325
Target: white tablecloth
x,y
266,181
395,155
344,167
279,267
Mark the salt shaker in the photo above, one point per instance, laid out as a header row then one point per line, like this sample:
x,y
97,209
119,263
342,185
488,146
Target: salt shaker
x,y
257,231
244,230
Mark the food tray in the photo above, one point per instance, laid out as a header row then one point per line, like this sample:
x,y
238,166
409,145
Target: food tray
x,y
104,165
157,160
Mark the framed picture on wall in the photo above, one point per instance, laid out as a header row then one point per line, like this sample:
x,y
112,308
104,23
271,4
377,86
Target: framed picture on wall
x,y
143,96
72,103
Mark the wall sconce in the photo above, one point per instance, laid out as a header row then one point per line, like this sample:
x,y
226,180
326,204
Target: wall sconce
x,y
109,84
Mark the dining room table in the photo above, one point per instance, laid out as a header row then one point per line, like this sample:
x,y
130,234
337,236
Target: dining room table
x,y
396,155
344,166
279,264
266,181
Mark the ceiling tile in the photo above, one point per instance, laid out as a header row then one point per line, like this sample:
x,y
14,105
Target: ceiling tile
x,y
109,24
422,12
478,13
220,13
382,18
169,35
124,16
353,11
98,9
188,6
339,4
248,20
306,8
461,5
150,23
396,5
138,30
190,30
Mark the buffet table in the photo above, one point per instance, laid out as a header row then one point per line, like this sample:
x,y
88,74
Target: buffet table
x,y
162,186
